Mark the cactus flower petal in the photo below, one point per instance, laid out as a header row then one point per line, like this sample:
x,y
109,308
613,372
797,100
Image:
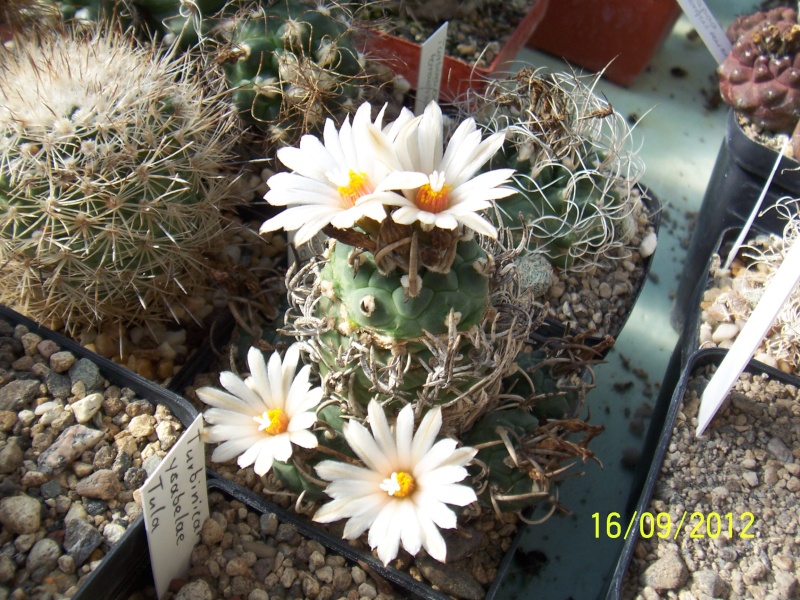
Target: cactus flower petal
x,y
265,414
402,493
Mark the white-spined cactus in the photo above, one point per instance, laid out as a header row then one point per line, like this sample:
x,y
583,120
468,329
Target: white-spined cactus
x,y
110,181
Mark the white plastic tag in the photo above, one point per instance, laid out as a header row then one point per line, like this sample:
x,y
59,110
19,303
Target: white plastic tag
x,y
707,27
175,503
431,62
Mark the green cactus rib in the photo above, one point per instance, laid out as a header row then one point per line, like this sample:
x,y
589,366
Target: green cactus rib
x,y
290,54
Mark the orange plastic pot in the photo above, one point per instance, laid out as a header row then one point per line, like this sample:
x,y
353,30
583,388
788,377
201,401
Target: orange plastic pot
x,y
621,35
458,77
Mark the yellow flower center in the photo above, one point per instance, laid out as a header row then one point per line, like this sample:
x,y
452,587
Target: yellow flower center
x,y
399,485
358,185
434,196
272,421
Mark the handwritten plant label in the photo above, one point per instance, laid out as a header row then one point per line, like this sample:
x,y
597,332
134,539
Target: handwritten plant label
x,y
709,29
175,502
431,61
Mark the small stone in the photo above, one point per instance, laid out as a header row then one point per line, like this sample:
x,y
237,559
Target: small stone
x,y
750,477
367,590
95,506
7,420
85,408
113,533
648,245
11,457
61,362
779,450
134,478
211,532
725,331
667,573
709,583
7,568
81,539
66,564
285,532
195,590
66,449
58,385
86,372
51,489
785,585
44,555
237,566
30,341
793,485
756,572
18,394
604,290
449,580
783,562
268,523
46,348
20,514
142,426
101,484
167,433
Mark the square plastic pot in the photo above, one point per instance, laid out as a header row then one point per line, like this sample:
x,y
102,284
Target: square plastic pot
x,y
458,76
739,175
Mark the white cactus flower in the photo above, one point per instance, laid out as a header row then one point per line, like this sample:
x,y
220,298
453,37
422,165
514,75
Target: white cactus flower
x,y
334,181
441,188
402,493
265,414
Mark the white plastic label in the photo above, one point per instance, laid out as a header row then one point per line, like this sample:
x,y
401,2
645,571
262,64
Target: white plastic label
x,y
707,27
175,503
431,61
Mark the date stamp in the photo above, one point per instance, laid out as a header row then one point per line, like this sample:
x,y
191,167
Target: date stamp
x,y
700,525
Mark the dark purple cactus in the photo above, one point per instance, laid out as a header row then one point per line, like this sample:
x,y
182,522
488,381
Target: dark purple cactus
x,y
760,78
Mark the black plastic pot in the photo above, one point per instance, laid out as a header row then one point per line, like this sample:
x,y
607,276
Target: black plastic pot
x,y
740,174
127,563
659,435
551,328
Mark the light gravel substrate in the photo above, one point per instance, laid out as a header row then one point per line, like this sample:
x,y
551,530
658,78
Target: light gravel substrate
x,y
73,450
747,461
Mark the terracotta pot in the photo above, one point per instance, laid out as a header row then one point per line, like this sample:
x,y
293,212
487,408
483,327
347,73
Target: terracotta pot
x,y
458,77
621,35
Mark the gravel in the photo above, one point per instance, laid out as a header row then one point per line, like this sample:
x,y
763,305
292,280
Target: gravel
x,y
747,462
69,467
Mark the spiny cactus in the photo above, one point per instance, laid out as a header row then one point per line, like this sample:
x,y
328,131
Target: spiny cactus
x,y
575,172
760,78
109,179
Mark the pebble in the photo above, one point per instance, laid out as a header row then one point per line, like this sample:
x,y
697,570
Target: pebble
x,y
44,555
20,514
10,457
17,394
62,361
67,448
667,573
86,408
648,245
142,426
102,484
81,539
779,450
449,580
724,332
86,372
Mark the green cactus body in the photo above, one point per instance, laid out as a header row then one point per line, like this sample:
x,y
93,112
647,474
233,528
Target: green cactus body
x,y
110,194
290,63
372,304
567,212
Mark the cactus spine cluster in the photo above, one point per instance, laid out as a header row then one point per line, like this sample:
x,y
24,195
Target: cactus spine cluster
x,y
109,179
575,171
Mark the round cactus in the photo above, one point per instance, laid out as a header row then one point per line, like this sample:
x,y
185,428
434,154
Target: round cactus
x,y
575,170
760,78
109,180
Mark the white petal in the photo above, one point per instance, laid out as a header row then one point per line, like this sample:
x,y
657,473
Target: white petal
x,y
218,398
312,227
302,421
442,475
296,392
410,532
263,462
457,145
237,387
367,449
402,180
435,510
404,430
459,167
332,470
453,493
359,523
432,540
406,215
223,433
385,532
482,154
434,457
303,438
252,453
382,432
258,372
280,447
221,416
231,449
444,220
477,224
426,434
